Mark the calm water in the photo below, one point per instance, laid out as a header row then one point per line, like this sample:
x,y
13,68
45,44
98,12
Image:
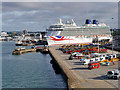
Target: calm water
x,y
30,70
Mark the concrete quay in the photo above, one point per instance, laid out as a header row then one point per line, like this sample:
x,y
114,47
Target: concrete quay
x,y
79,76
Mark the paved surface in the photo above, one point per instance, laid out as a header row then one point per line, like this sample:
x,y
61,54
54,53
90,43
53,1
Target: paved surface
x,y
81,77
114,52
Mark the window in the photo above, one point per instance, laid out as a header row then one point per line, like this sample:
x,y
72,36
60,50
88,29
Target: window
x,y
116,74
110,72
101,59
113,56
106,57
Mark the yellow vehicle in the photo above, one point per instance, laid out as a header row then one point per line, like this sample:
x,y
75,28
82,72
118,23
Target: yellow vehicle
x,y
110,58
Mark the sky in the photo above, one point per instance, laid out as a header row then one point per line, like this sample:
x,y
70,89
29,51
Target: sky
x,y
119,15
37,16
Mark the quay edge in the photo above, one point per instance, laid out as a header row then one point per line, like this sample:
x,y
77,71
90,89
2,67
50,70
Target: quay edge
x,y
70,82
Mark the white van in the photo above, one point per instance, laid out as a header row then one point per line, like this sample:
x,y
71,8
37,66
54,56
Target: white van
x,y
116,74
113,74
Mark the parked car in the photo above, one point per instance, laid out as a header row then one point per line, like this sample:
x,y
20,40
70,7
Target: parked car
x,y
105,63
93,65
110,74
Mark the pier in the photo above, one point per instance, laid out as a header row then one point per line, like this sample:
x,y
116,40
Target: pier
x,y
19,52
79,76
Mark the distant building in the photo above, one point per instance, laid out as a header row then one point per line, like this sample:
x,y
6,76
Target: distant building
x,y
27,37
32,36
4,34
39,36
25,31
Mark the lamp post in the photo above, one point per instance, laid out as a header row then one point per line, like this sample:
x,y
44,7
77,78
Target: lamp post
x,y
98,42
82,38
117,38
112,44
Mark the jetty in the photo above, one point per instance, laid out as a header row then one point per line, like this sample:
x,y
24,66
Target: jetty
x,y
79,76
19,52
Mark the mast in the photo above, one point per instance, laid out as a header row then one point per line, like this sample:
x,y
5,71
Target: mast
x,y
60,21
73,23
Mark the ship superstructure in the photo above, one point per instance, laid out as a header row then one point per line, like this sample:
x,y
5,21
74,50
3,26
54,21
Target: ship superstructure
x,y
77,34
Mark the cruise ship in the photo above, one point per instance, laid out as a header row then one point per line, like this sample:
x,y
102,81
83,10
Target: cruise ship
x,y
70,33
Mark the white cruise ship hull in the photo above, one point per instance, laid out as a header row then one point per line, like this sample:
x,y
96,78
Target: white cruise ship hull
x,y
54,40
70,33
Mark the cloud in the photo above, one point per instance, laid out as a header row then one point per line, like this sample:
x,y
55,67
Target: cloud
x,y
37,15
61,0
20,13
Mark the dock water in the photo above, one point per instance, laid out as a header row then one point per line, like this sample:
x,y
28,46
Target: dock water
x,y
79,76
30,71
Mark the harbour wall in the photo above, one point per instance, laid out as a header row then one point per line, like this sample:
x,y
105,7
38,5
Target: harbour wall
x,y
59,69
70,77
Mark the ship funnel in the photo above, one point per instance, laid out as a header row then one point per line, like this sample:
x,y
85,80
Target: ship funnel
x,y
60,21
88,21
95,21
73,23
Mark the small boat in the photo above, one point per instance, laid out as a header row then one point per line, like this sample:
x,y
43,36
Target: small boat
x,y
18,49
44,51
18,43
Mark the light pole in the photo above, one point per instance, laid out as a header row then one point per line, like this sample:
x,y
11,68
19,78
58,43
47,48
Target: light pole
x,y
98,41
112,44
117,38
82,38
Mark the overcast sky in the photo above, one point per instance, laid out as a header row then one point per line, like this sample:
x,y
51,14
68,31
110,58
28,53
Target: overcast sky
x,y
37,16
